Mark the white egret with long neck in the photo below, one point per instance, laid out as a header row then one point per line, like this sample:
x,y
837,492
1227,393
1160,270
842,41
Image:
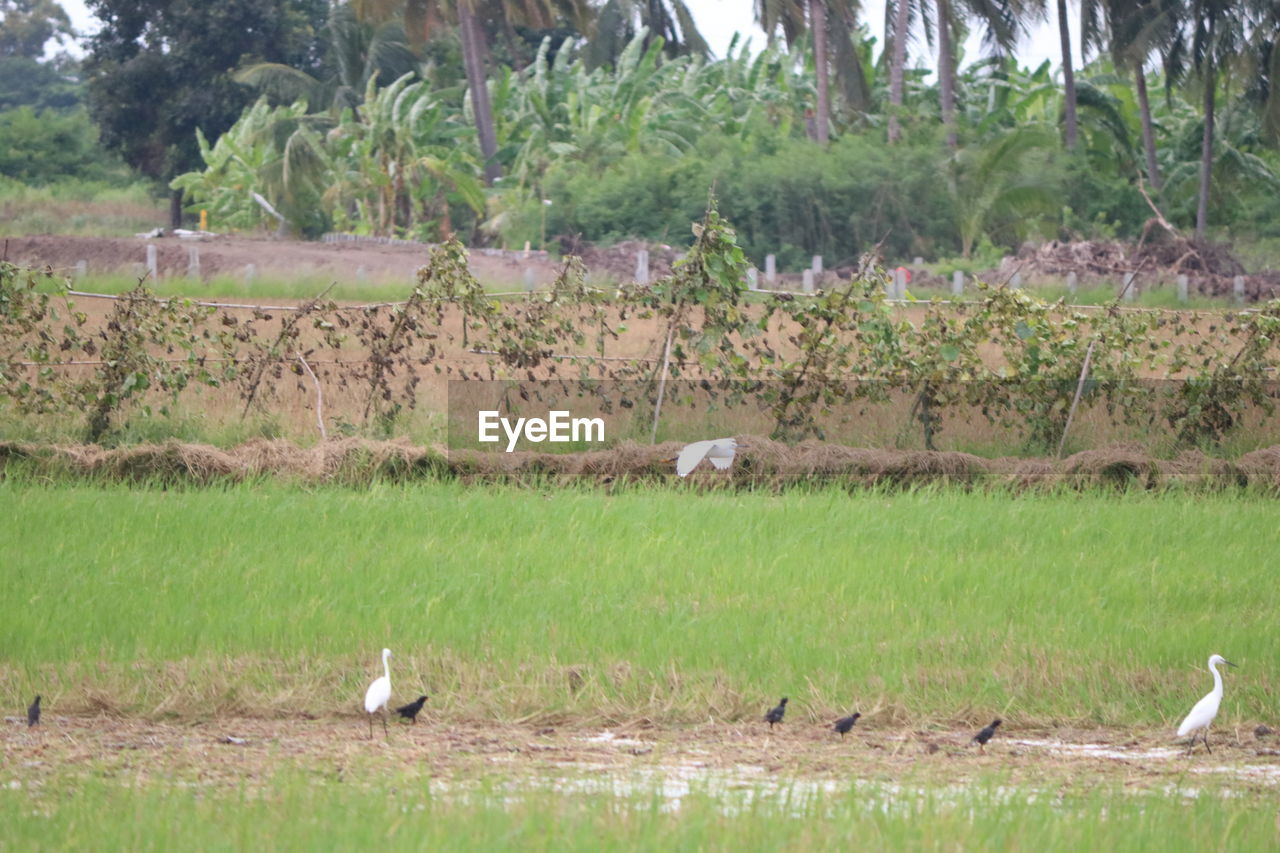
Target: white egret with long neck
x,y
378,694
1198,721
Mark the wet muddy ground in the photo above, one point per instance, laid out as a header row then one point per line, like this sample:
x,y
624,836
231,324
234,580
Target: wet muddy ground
x,y
715,757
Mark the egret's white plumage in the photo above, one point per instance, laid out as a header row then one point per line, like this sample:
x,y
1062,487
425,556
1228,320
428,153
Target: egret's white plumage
x,y
379,693
1206,709
719,451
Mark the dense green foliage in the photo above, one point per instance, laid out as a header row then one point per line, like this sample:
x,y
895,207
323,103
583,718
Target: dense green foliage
x,y
157,71
630,150
40,147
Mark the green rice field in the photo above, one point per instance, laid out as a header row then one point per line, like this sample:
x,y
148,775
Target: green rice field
x,y
158,621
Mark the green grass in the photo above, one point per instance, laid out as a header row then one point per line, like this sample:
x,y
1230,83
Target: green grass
x,y
930,605
84,208
310,811
229,288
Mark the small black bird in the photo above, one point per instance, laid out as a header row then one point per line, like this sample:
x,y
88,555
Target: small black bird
x,y
410,711
775,714
985,735
33,713
845,723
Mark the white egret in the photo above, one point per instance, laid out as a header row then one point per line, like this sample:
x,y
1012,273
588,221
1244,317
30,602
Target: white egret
x,y
379,694
1206,709
719,450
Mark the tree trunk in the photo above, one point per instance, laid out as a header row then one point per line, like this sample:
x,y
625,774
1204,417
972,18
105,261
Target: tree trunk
x,y
897,67
946,71
1148,131
473,61
818,21
175,209
1206,146
1068,76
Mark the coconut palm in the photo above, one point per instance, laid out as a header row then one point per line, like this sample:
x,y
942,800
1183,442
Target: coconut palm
x,y
1002,21
618,22
1213,32
1131,30
898,16
832,26
358,51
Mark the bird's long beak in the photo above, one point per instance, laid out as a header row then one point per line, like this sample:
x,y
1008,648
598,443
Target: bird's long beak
x,y
1229,663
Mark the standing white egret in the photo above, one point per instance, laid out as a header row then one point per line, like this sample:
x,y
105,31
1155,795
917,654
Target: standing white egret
x,y
379,694
1206,709
719,450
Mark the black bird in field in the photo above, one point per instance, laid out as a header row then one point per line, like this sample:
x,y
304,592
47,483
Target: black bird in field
x,y
985,735
33,713
775,714
410,711
845,723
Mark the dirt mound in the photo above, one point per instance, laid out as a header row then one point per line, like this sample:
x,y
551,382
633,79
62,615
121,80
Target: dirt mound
x,y
761,463
1210,267
618,262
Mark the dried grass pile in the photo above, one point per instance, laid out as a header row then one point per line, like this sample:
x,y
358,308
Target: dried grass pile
x,y
760,464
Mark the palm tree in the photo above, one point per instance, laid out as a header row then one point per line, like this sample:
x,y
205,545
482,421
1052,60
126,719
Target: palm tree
x,y
833,23
358,51
1002,21
818,21
1068,78
617,22
1131,30
1213,32
898,15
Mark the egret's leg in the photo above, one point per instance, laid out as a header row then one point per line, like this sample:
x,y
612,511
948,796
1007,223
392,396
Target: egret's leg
x,y
385,730
371,727
1206,740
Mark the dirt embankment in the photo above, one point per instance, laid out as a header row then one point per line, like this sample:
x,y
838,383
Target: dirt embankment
x,y
760,464
289,259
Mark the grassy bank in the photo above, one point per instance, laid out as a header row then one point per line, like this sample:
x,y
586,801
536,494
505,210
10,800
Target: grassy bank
x,y
928,605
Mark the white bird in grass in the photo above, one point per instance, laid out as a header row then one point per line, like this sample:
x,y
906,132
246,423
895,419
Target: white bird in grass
x,y
1206,709
719,450
379,694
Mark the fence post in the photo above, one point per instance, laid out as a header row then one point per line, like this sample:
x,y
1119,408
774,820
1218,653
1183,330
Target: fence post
x,y
806,281
642,266
1073,282
193,262
151,262
816,266
1237,289
1183,288
771,269
250,272
899,289
917,262
1015,283
82,269
528,279
1128,286
957,283
753,278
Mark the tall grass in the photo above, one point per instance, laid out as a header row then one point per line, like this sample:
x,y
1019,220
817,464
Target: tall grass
x,y
935,605
87,208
